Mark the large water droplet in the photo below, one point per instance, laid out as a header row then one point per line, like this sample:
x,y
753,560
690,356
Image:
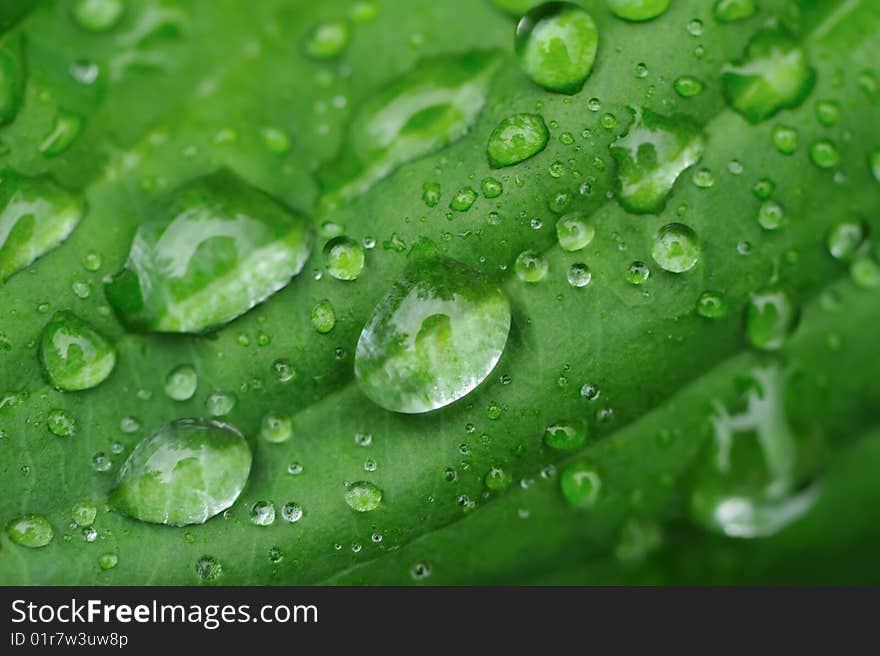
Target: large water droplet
x,y
758,476
771,316
74,355
429,107
36,215
363,496
772,75
30,531
209,252
651,156
730,11
556,43
676,248
184,473
638,10
516,139
262,513
531,266
433,338
12,77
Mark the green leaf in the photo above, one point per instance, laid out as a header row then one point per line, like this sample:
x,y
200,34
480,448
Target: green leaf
x,y
471,492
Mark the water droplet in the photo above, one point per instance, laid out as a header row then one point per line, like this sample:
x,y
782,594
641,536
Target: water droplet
x,y
219,404
62,135
496,479
491,188
74,356
12,76
283,371
574,232
828,112
184,473
108,560
363,496
294,469
83,514
785,139
431,192
327,40
30,531
463,199
92,261
688,86
581,484
824,154
730,11
771,316
433,338
323,317
344,258
676,248
516,139
651,156
420,571
276,140
772,75
695,27
764,188
566,435
712,305
98,15
845,238
531,266
758,476
638,10
60,423
432,105
181,383
292,512
101,463
208,252
208,568
276,428
579,275
556,43
771,215
262,513
36,216
637,273
865,272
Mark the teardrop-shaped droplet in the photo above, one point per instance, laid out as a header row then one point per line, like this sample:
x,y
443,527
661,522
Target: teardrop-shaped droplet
x,y
638,10
431,106
676,248
64,132
730,11
772,75
74,355
36,216
184,473
651,156
516,139
771,316
556,44
30,531
433,338
209,252
758,475
363,496
12,77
